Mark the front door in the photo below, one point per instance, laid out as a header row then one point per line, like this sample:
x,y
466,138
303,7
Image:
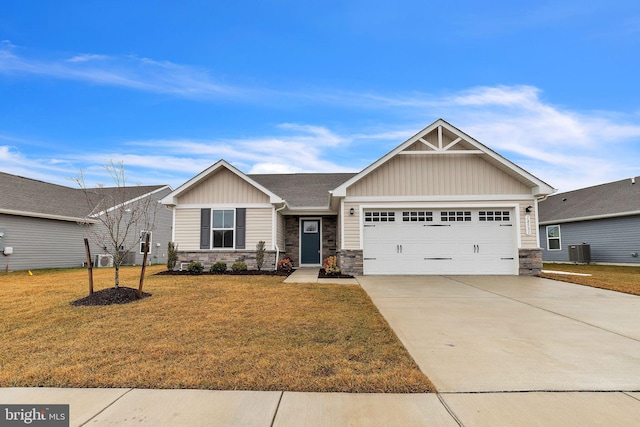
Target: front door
x,y
310,242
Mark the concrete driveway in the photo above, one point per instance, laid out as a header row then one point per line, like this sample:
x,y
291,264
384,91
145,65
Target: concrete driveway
x,y
507,333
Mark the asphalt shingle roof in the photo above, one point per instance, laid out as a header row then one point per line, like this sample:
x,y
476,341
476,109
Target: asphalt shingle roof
x,y
303,189
37,197
601,200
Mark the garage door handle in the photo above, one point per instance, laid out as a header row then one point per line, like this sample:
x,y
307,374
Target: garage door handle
x,y
506,225
369,225
370,259
437,259
437,225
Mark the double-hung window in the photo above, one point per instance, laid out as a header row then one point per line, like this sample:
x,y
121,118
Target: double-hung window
x,y
223,228
143,239
553,238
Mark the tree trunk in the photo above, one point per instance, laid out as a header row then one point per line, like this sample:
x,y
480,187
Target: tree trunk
x,y
89,265
117,278
144,265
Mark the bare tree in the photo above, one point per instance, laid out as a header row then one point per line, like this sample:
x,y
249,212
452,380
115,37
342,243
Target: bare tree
x,y
125,215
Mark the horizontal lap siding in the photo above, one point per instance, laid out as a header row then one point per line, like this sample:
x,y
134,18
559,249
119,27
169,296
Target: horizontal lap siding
x,y
612,240
259,226
41,243
187,229
187,232
281,232
223,187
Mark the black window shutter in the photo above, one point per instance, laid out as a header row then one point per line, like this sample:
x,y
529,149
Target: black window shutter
x,y
241,229
205,229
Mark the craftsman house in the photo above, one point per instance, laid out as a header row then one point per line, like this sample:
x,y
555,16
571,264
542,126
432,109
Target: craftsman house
x,y
439,203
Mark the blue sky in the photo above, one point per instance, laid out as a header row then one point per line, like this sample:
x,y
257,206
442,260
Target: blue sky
x,y
169,88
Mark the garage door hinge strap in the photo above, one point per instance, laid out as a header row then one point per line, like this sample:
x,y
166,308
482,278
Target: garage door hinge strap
x,y
438,259
370,259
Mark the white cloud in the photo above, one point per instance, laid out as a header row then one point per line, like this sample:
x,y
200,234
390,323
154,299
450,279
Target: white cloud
x,y
121,71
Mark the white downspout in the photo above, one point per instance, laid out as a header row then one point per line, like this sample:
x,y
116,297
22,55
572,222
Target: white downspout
x,y
275,238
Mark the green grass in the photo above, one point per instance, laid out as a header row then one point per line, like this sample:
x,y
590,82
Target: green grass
x,y
206,332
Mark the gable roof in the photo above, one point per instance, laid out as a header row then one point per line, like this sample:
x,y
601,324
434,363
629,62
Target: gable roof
x,y
172,198
29,197
613,199
462,143
303,190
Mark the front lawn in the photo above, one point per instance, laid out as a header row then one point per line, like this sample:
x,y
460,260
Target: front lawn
x,y
207,332
612,277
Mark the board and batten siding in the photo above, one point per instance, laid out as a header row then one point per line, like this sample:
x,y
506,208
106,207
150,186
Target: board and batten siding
x,y
612,240
41,243
436,175
223,187
187,228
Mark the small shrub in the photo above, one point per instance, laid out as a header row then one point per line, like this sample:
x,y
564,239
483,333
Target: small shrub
x,y
172,255
260,254
330,265
285,265
218,267
239,266
195,267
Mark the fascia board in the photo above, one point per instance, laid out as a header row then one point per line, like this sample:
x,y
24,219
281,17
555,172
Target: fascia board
x,y
590,218
48,216
341,191
540,189
171,199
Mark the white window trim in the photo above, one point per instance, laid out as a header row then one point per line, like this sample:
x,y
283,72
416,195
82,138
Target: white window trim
x,y
233,248
143,234
559,237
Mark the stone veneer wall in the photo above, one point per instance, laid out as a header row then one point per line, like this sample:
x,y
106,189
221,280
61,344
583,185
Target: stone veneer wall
x,y
207,258
530,261
351,262
292,237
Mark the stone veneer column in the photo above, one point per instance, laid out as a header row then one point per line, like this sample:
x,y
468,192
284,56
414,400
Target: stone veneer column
x,y
530,262
351,262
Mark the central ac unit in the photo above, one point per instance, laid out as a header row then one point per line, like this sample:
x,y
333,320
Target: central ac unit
x,y
104,260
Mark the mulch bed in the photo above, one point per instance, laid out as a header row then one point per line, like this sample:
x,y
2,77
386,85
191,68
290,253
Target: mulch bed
x,y
226,273
323,275
120,295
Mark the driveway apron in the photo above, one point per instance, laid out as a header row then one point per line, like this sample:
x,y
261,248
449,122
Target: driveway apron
x,y
512,333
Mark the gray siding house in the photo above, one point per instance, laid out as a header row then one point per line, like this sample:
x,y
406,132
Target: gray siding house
x,y
606,217
43,225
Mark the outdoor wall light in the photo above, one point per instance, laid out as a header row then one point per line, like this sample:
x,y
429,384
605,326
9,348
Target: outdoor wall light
x,y
528,209
352,211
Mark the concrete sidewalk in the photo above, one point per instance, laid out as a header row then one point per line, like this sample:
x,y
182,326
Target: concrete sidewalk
x,y
138,407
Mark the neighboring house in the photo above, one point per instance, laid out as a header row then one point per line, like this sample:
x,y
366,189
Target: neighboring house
x,y
43,225
439,203
606,217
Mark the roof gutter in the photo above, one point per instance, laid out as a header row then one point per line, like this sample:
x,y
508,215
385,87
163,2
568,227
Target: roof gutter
x,y
49,216
590,218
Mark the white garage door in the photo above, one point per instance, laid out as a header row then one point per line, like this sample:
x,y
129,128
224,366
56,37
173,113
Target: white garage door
x,y
438,241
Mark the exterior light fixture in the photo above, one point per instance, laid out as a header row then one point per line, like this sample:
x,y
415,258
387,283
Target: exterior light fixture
x,y
528,209
352,211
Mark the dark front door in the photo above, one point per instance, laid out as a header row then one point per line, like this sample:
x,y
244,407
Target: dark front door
x,y
310,242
